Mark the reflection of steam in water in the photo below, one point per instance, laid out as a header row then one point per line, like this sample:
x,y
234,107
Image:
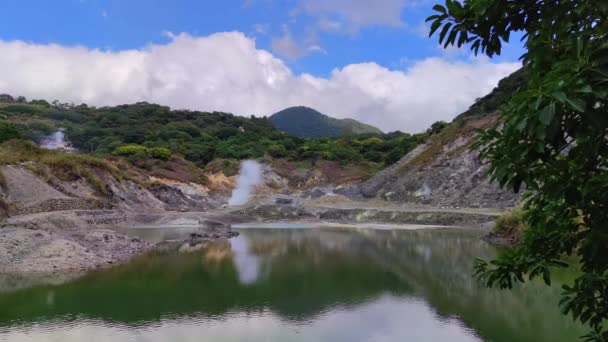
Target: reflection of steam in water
x,y
246,263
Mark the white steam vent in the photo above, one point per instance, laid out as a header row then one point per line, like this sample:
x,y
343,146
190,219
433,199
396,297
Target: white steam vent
x,y
250,175
57,141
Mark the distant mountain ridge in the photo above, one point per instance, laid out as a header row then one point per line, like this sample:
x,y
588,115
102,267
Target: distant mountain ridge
x,y
306,122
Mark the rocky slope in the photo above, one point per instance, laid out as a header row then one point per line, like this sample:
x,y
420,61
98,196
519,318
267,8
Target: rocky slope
x,y
443,173
56,225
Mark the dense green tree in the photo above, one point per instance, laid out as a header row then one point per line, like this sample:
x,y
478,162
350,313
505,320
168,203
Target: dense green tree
x,y
553,142
8,131
437,127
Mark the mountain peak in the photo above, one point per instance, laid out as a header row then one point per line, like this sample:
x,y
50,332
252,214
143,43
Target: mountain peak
x,y
307,122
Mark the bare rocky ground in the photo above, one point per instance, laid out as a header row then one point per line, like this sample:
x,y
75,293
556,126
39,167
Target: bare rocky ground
x,y
442,173
66,228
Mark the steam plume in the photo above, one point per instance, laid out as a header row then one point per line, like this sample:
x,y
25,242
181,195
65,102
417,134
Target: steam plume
x,y
250,175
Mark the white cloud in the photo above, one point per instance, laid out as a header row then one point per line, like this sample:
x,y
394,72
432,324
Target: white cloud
x,y
226,72
351,15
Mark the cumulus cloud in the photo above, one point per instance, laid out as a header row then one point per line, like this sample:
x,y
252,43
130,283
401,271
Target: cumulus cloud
x,y
226,72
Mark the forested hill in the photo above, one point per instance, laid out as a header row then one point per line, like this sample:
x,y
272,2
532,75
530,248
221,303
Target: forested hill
x,y
306,122
200,137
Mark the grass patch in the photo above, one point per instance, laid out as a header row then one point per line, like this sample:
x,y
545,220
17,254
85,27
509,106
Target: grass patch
x,y
228,166
175,168
511,224
24,109
65,167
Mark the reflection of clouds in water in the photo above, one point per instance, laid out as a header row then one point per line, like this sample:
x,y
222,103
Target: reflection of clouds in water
x,y
247,264
385,319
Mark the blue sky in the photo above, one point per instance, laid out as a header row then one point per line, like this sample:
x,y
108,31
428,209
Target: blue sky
x,y
320,38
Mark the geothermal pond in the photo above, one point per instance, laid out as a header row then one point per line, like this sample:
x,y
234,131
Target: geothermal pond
x,y
296,284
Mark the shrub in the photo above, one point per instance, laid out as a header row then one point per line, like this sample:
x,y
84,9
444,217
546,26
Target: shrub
x,y
437,127
162,153
511,224
6,98
23,109
277,151
8,131
43,103
131,150
139,151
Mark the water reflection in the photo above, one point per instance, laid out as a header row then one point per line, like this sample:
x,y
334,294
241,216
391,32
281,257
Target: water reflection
x,y
385,319
294,284
246,263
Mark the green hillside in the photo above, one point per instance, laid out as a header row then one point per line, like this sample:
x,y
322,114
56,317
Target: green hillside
x,y
308,123
149,130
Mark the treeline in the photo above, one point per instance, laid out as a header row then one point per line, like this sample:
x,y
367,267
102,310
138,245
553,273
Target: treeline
x,y
148,130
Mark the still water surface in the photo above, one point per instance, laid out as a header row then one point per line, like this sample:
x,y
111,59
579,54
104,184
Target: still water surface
x,y
293,285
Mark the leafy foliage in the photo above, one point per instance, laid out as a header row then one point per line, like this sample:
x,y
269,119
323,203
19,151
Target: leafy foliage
x,y
554,141
139,151
8,131
149,130
437,127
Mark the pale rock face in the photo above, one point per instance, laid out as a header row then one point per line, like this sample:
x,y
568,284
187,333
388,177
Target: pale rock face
x,y
454,178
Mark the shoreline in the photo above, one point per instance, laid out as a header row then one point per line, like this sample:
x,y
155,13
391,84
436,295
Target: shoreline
x,y
84,240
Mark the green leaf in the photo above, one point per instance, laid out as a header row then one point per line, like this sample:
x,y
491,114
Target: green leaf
x,y
538,102
547,276
445,29
440,8
451,39
539,147
452,6
522,124
560,95
578,104
434,27
432,17
547,113
475,46
586,89
463,38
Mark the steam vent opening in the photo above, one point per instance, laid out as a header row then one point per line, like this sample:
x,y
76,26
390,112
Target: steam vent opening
x,y
57,141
